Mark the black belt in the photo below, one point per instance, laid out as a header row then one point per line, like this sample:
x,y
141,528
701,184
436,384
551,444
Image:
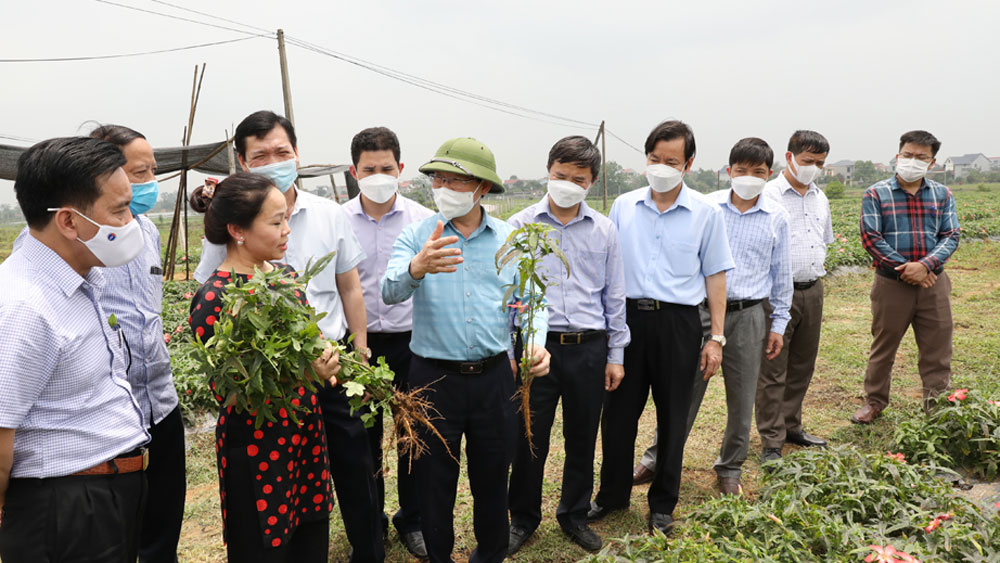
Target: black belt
x,y
805,284
567,338
741,304
653,304
469,368
894,275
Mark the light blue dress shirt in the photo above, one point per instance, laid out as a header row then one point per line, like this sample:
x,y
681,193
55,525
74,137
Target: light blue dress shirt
x,y
593,296
457,316
63,387
376,238
134,295
668,254
759,242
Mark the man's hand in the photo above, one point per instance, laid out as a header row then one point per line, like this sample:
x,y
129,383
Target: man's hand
x,y
327,365
929,281
433,258
912,273
613,375
711,358
774,343
539,360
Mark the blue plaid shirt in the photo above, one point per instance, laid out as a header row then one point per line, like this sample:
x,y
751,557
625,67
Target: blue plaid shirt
x,y
897,227
458,316
63,387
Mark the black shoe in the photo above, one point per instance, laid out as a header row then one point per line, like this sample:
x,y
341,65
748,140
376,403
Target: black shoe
x,y
662,522
598,512
583,536
414,543
770,454
518,536
805,440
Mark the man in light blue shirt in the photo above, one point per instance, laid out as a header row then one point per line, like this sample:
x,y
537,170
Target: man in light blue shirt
x,y
676,254
461,335
587,338
70,431
377,215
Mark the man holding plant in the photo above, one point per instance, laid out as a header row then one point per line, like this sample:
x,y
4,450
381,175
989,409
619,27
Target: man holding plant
x,y
587,337
461,337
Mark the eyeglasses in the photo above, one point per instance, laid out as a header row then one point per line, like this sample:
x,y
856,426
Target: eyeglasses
x,y
439,180
920,157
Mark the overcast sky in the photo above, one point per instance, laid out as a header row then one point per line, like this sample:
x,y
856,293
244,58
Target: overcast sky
x,y
860,72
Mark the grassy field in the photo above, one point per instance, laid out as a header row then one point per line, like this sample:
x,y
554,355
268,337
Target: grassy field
x,y
835,393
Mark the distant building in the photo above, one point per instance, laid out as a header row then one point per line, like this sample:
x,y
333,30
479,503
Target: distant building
x,y
842,168
960,166
995,163
883,168
723,174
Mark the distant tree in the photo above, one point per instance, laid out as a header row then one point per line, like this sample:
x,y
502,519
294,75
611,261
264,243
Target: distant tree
x,y
618,181
420,191
865,173
835,189
705,181
323,191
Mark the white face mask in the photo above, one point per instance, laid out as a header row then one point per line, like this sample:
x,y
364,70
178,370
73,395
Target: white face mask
x,y
911,169
113,246
453,204
803,174
747,187
663,178
565,193
379,187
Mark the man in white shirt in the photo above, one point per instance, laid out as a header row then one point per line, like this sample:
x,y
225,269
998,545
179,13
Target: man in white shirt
x,y
784,379
266,145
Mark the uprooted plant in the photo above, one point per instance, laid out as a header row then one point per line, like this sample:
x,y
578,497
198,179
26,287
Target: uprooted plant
x,y
527,247
263,348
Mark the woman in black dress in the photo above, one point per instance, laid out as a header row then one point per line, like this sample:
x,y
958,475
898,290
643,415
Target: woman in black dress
x,y
274,482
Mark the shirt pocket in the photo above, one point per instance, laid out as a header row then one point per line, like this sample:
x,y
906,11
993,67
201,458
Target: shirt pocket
x,y
588,269
682,259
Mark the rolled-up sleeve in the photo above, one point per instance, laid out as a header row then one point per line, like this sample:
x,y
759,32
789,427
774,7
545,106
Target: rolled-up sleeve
x,y
398,285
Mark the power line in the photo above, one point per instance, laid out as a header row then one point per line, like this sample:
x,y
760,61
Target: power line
x,y
16,138
261,29
124,55
189,20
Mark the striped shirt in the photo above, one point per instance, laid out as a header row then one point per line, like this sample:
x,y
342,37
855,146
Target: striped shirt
x,y
376,238
134,295
809,224
63,387
759,243
459,316
593,296
898,227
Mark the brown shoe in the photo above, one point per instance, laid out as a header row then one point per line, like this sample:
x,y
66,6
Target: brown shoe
x,y
730,486
866,414
641,475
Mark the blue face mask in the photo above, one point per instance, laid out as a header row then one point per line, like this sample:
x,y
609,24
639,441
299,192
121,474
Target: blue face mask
x,y
281,174
144,197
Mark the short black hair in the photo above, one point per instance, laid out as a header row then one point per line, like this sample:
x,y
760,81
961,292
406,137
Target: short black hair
x,y
116,134
753,151
62,172
259,124
374,139
237,200
922,138
578,150
668,131
804,140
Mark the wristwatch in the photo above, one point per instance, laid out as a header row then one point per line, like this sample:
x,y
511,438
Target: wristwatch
x,y
721,339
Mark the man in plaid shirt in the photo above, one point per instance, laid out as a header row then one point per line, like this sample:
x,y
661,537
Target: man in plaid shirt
x,y
910,228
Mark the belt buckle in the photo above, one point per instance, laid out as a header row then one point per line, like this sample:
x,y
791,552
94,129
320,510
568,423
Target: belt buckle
x,y
145,458
470,368
563,341
647,304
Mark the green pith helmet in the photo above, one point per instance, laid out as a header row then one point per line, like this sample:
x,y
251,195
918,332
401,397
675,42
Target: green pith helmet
x,y
467,156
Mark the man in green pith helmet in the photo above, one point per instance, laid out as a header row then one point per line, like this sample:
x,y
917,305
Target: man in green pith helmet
x,y
460,344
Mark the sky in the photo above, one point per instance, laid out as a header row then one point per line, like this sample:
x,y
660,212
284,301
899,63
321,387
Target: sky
x,y
859,72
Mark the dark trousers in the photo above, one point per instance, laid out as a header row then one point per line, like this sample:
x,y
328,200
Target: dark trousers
x,y
353,474
396,349
75,518
662,357
577,375
166,475
478,406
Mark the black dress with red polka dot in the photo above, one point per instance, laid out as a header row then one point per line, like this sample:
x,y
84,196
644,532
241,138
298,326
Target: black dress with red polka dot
x,y
287,464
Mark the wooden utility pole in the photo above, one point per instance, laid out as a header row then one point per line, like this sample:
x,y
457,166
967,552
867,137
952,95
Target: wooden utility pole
x,y
180,205
604,161
286,87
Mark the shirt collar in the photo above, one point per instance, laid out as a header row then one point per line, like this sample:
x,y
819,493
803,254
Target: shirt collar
x,y
894,183
61,273
683,199
487,222
544,207
354,207
763,203
784,185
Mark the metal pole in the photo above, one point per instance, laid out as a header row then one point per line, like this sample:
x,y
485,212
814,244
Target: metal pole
x,y
604,163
